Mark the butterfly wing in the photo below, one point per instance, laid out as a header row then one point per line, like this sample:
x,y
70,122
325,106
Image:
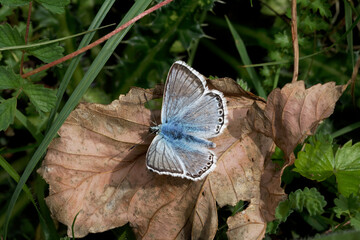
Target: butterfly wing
x,y
183,86
160,158
190,108
189,162
188,101
207,117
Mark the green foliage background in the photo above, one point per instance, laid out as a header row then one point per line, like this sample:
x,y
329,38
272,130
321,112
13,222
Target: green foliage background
x,y
217,39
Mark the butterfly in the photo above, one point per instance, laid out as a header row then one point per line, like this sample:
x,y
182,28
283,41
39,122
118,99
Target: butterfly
x,y
190,114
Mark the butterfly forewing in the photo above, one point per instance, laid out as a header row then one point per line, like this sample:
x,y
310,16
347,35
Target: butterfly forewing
x,y
182,88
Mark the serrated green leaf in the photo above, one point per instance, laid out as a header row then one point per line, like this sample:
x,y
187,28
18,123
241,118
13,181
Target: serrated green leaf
x,y
283,39
55,6
47,53
14,3
347,206
311,199
347,168
272,227
283,210
355,221
9,80
4,12
316,162
321,6
10,36
42,98
7,112
303,3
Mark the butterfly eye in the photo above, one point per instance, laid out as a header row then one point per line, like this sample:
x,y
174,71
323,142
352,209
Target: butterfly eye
x,y
221,120
220,112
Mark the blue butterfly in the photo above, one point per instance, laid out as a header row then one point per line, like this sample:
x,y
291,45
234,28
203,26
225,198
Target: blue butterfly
x,y
191,113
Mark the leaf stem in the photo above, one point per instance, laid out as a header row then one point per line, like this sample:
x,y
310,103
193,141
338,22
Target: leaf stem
x,y
97,42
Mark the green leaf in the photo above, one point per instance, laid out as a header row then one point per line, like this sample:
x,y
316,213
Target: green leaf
x,y
311,199
47,53
10,36
7,112
347,168
316,162
322,6
271,227
42,98
9,80
347,206
14,3
283,39
4,12
55,6
283,210
355,221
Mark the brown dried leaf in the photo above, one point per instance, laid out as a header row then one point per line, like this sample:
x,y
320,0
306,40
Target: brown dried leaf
x,y
91,170
293,113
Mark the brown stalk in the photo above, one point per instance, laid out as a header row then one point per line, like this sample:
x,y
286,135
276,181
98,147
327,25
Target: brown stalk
x,y
294,36
97,42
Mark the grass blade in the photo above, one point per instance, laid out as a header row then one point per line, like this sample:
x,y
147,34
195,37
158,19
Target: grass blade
x,y
106,6
246,60
14,175
138,7
349,37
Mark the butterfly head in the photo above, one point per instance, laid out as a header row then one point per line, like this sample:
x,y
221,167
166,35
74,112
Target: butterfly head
x,y
155,129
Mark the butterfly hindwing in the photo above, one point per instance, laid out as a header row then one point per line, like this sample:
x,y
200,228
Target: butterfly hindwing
x,y
207,117
191,162
160,157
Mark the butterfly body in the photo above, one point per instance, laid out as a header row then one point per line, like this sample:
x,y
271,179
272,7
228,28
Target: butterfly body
x,y
178,136
191,114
